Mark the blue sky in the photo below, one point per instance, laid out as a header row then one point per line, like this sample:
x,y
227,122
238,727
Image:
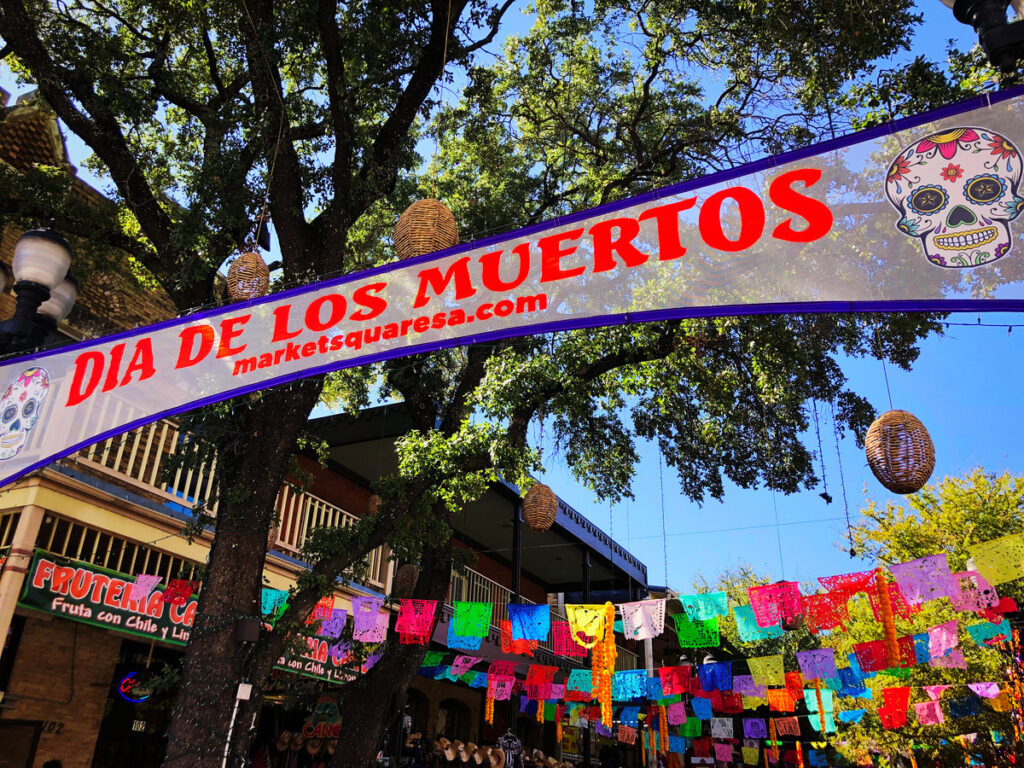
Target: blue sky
x,y
965,387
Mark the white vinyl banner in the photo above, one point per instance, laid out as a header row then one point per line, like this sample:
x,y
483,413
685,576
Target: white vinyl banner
x,y
918,215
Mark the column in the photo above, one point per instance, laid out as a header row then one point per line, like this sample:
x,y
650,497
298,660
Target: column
x,y
12,579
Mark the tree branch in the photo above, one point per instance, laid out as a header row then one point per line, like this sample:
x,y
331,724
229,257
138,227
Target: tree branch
x,y
380,171
99,128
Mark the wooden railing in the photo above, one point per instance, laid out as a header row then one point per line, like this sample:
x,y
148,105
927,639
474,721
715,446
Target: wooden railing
x,y
474,587
137,459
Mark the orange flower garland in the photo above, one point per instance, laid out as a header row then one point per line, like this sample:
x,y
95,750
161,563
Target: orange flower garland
x,y
663,727
540,711
888,624
774,738
603,666
821,705
489,710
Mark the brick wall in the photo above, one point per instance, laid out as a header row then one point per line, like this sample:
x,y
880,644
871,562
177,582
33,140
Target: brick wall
x,y
42,686
334,488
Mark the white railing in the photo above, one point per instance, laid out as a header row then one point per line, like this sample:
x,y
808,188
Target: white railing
x,y
137,459
474,587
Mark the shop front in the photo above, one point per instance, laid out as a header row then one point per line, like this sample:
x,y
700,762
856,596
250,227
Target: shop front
x,y
90,677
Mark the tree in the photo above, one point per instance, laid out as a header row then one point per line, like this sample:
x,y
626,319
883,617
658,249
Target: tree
x,y
945,517
206,115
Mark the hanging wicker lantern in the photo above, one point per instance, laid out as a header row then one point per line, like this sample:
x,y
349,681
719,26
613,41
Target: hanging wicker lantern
x,y
373,505
248,277
405,581
900,452
425,226
540,507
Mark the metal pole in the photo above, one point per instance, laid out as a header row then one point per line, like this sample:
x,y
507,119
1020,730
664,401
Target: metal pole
x,y
517,568
586,599
243,693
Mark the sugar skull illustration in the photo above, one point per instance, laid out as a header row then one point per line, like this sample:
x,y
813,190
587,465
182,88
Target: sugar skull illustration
x,y
19,410
957,191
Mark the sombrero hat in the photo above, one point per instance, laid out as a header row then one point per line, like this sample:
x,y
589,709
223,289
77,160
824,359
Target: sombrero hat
x,y
497,757
283,740
332,744
449,749
412,737
537,756
298,742
550,762
313,746
482,755
467,751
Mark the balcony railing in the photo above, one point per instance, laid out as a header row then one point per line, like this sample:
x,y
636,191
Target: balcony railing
x,y
137,459
474,587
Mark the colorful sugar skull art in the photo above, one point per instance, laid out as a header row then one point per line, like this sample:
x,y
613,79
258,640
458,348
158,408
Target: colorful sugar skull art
x,y
19,410
958,191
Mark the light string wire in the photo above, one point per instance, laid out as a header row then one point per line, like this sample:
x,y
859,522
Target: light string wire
x,y
842,479
664,535
821,453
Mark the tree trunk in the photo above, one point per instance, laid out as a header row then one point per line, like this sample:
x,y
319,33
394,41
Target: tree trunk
x,y
250,471
367,702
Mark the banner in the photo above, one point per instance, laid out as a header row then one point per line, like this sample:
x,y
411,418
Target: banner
x,y
101,597
911,216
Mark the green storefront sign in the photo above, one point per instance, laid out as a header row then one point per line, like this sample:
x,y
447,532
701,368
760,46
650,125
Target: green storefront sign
x,y
101,597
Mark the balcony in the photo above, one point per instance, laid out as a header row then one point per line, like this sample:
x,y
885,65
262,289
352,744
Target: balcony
x,y
475,587
137,458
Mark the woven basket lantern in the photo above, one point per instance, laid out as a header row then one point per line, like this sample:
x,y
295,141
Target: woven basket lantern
x,y
405,581
540,507
248,277
900,452
425,227
373,505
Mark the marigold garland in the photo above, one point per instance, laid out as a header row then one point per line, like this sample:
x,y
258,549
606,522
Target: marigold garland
x,y
489,710
663,727
774,738
540,711
888,624
604,655
821,705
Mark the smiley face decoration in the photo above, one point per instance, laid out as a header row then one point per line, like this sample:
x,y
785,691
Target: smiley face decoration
x,y
957,191
19,410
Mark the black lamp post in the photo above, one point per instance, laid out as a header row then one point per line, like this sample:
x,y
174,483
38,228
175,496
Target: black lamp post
x,y
1002,41
45,289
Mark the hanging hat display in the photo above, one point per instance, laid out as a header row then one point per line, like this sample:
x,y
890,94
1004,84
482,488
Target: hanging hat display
x,y
425,226
248,277
283,741
900,451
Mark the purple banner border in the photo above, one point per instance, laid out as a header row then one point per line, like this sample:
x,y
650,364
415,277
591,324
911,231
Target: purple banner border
x,y
928,305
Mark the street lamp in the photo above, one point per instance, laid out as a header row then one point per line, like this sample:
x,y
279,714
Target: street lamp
x,y
44,288
1002,41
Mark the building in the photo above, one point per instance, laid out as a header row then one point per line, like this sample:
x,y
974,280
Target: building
x,y
76,533
574,561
